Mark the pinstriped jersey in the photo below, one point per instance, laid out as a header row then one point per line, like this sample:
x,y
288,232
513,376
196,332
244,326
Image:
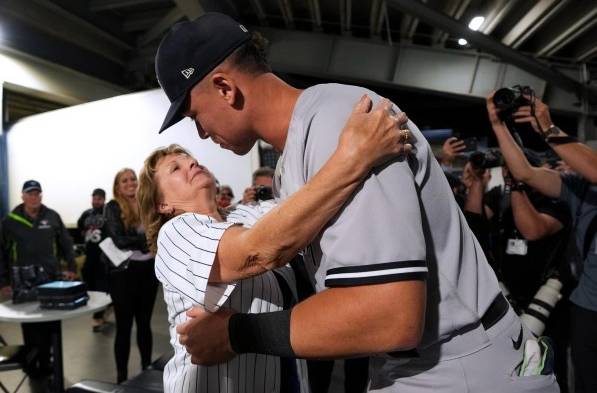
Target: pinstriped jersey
x,y
186,250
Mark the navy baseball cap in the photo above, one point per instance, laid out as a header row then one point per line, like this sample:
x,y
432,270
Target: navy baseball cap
x,y
190,51
31,185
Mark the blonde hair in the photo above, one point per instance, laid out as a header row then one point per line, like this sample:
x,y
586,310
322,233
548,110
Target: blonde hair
x,y
148,194
130,214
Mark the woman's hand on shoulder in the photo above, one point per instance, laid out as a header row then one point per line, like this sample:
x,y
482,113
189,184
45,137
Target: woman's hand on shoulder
x,y
374,135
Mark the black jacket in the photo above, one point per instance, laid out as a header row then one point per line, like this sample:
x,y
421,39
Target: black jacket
x,y
123,238
41,241
91,227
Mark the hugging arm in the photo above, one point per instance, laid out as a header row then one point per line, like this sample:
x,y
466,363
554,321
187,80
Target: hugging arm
x,y
369,137
375,261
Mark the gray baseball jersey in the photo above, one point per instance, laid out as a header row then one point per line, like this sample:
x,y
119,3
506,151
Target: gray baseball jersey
x,y
403,223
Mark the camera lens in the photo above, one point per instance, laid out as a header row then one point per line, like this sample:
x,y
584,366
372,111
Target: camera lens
x,y
504,97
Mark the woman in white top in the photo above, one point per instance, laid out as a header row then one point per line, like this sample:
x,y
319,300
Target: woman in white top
x,y
201,259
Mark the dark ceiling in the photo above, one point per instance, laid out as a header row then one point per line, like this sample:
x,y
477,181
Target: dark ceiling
x,y
115,40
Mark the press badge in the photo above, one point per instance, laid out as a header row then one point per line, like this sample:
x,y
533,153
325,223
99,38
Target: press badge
x,y
517,247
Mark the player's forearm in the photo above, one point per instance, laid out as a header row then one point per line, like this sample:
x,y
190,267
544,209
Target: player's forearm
x,y
351,321
580,157
279,235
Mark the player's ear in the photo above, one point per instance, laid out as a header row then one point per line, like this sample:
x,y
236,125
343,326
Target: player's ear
x,y
225,87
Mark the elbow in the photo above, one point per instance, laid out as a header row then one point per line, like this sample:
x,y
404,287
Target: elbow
x,y
258,260
531,234
531,237
267,256
411,337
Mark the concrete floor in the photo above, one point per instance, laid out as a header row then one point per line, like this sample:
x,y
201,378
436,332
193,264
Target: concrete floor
x,y
89,355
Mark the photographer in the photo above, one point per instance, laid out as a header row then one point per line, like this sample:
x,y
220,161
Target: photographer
x,y
261,187
475,210
580,197
224,196
580,157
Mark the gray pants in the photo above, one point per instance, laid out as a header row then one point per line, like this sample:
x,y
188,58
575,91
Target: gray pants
x,y
489,368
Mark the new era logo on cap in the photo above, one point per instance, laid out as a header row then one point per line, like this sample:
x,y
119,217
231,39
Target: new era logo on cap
x,y
203,43
188,72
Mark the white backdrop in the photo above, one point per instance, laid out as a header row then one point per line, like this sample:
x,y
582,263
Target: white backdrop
x,y
71,151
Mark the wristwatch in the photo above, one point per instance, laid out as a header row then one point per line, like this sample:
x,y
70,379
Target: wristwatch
x,y
519,186
551,131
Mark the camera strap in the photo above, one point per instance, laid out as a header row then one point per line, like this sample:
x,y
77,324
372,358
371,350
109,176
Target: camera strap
x,y
531,93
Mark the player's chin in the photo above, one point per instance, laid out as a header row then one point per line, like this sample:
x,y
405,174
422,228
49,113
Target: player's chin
x,y
240,150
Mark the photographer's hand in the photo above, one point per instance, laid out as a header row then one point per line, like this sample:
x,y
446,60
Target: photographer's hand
x,y
580,157
450,149
496,122
249,196
471,175
524,114
475,181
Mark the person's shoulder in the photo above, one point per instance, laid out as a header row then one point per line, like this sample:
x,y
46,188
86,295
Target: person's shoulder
x,y
336,94
7,220
113,207
87,213
48,212
184,222
325,108
113,203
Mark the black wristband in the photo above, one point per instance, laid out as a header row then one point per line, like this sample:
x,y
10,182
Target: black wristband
x,y
265,333
561,140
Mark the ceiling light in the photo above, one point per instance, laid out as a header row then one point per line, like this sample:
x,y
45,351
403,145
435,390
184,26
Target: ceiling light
x,y
462,42
476,23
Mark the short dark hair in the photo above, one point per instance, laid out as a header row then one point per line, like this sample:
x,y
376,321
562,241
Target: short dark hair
x,y
251,56
263,171
99,192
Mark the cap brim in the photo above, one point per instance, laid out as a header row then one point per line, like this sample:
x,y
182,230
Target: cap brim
x,y
29,189
174,114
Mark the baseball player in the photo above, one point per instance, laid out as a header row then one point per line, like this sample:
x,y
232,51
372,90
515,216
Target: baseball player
x,y
398,273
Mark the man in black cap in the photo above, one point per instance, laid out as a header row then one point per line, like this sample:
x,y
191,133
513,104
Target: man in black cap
x,y
370,265
34,236
95,273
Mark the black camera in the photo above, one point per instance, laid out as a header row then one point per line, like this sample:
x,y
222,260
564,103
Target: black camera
x,y
507,100
263,193
486,159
